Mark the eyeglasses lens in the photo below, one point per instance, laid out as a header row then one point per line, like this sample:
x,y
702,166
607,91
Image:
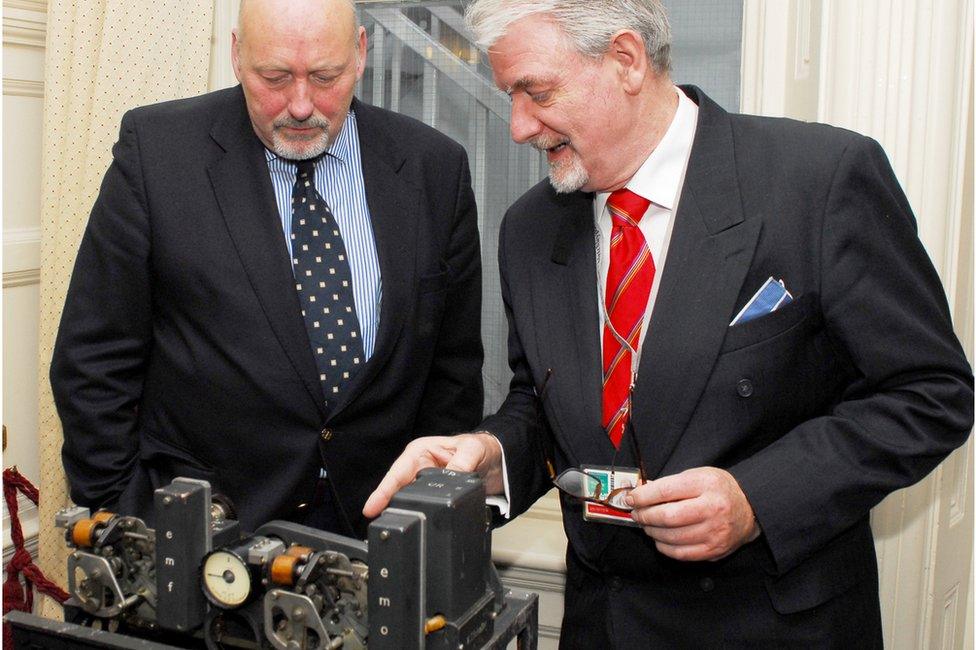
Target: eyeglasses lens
x,y
580,484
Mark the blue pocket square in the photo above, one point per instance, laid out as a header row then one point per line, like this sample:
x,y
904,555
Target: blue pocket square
x,y
770,297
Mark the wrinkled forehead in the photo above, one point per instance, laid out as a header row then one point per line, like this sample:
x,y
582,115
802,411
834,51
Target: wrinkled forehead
x,y
533,52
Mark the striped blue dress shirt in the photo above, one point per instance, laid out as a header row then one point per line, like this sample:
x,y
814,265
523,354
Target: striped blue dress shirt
x,y
339,180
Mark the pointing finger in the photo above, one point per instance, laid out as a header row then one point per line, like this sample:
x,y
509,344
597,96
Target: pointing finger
x,y
420,454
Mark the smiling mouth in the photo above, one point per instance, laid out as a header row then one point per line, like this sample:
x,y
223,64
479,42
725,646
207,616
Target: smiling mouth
x,y
549,145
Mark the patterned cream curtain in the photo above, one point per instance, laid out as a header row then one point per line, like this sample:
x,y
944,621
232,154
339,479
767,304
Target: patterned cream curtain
x,y
101,59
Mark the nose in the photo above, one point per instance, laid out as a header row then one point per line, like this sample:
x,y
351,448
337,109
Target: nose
x,y
524,125
300,105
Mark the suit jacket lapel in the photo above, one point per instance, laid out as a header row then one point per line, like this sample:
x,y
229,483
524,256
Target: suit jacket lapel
x,y
571,311
394,209
709,254
245,195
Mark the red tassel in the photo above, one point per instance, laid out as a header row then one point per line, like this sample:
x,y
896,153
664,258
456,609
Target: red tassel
x,y
16,595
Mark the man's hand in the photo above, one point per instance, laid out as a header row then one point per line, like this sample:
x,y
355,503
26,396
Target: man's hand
x,y
466,452
699,514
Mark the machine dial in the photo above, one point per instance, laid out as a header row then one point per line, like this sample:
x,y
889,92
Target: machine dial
x,y
226,579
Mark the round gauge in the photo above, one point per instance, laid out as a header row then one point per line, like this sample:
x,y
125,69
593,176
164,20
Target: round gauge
x,y
226,579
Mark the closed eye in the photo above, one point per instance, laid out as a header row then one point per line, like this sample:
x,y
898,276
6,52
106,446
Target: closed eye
x,y
323,79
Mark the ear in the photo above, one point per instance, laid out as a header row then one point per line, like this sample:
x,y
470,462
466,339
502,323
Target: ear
x,y
629,56
235,54
361,53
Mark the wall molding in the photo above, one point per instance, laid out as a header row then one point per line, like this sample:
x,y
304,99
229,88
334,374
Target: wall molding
x,y
25,23
21,278
30,524
956,203
900,71
765,57
23,87
546,509
780,52
21,250
549,585
221,70
38,6
28,514
528,578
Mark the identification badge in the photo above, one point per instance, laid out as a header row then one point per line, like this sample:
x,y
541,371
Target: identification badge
x,y
610,478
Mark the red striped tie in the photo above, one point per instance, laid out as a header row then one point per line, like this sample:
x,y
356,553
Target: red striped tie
x,y
629,282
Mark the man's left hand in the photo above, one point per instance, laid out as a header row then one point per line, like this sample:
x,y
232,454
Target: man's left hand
x,y
699,514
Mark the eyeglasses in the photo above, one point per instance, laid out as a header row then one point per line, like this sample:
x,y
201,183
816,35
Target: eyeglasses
x,y
595,488
606,487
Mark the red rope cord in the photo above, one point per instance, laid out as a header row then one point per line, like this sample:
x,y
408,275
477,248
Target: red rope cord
x,y
15,596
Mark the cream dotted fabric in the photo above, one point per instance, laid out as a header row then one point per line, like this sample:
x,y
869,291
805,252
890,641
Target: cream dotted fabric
x,y
101,59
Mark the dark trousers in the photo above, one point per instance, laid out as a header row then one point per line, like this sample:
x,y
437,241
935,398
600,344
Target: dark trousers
x,y
617,612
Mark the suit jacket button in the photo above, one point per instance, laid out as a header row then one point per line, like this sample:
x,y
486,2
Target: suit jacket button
x,y
707,584
744,388
326,434
615,583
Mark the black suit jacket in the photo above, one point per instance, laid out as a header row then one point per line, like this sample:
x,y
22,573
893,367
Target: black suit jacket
x,y
856,388
182,350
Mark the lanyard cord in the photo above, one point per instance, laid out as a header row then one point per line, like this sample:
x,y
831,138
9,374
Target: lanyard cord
x,y
634,353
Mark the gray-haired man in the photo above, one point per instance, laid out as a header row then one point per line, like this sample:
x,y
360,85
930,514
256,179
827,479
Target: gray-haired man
x,y
736,309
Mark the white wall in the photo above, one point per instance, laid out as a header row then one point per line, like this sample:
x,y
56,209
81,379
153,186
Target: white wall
x,y
23,92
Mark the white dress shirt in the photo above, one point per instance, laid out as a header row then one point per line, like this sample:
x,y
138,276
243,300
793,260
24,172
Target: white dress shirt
x,y
659,180
339,181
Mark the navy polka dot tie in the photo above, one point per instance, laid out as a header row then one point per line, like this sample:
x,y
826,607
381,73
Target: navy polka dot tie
x,y
324,284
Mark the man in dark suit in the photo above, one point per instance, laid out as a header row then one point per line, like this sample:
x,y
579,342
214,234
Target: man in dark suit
x,y
767,429
189,345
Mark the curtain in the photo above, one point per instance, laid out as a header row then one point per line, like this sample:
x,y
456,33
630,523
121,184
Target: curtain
x,y
101,59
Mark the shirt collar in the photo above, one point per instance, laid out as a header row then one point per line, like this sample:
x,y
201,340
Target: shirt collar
x,y
659,178
341,149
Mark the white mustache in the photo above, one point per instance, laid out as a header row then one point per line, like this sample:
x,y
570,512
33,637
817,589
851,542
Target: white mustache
x,y
312,122
544,142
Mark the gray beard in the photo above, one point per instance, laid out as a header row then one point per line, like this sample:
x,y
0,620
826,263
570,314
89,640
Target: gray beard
x,y
567,178
300,148
291,149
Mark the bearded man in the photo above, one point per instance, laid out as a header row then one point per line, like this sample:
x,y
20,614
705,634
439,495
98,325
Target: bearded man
x,y
278,288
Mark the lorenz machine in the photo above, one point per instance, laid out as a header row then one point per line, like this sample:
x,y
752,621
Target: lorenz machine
x,y
423,579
